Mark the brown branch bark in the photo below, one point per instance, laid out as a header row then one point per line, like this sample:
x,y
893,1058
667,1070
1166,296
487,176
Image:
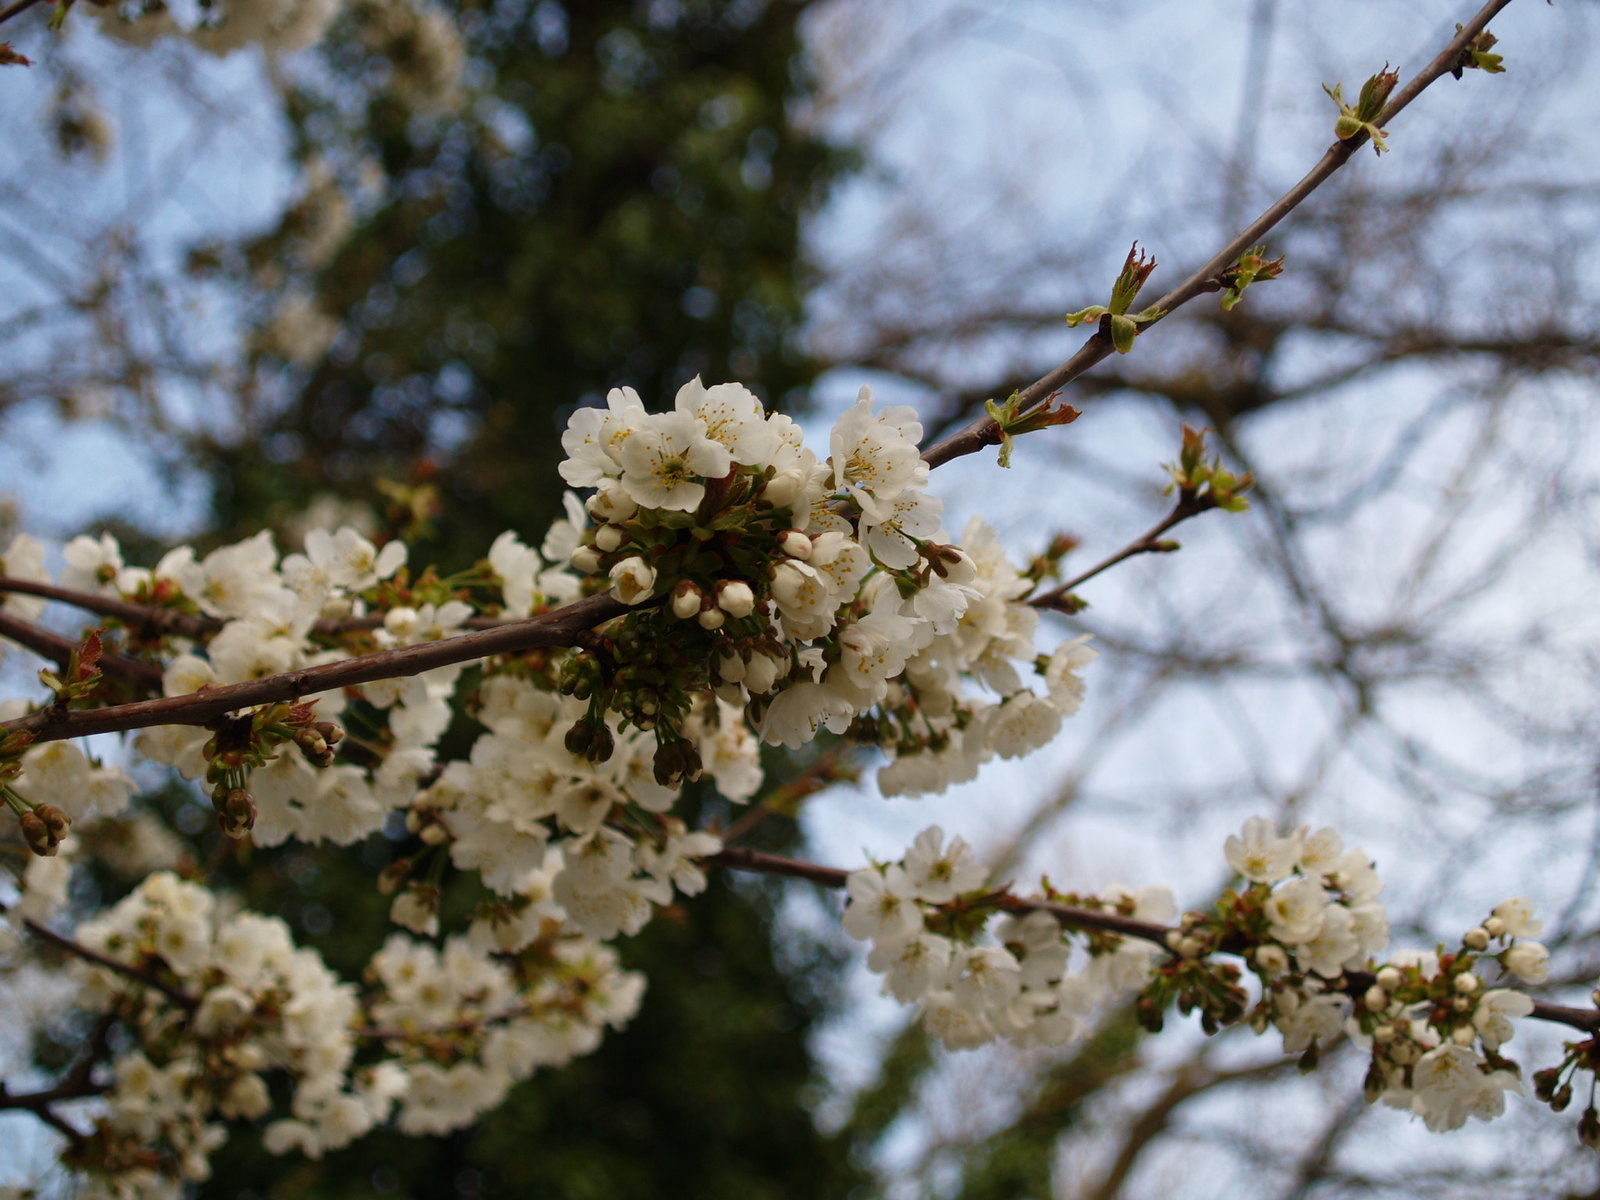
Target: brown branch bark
x,y
1148,543
58,649
151,619
984,432
147,618
12,10
126,970
562,627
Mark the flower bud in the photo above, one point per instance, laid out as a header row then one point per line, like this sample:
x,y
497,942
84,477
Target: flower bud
x,y
785,488
236,814
37,834
1494,926
585,560
392,876
1589,1128
676,763
1476,939
762,670
609,538
1374,1085
611,504
1271,959
953,563
795,544
1384,1034
730,668
686,600
1390,979
1467,983
735,597
712,618
1464,1035
1376,999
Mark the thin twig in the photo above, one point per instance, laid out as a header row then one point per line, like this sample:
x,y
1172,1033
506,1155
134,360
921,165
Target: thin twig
x,y
126,970
147,618
1147,543
984,432
58,649
21,6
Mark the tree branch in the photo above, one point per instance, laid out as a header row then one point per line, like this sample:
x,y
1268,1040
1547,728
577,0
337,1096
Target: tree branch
x,y
12,10
739,858
984,432
144,676
1149,543
126,970
561,627
153,619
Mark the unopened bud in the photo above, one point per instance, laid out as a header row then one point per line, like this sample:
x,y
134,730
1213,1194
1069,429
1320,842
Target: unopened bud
x,y
795,544
712,618
1589,1128
1376,999
735,597
585,560
609,538
784,488
1390,979
686,601
37,834
611,504
1494,927
1271,959
1476,939
236,815
392,876
1464,1035
676,763
314,746
1374,1085
1467,983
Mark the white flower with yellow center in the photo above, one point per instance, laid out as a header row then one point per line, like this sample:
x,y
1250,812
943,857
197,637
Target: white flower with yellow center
x,y
667,460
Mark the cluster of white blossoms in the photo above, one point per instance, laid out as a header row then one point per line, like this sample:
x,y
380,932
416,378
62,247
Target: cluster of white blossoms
x,y
237,1002
771,595
1308,921
1433,1023
928,922
1319,901
824,592
793,594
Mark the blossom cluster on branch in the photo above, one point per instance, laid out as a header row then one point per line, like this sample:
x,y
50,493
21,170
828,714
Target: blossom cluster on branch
x,y
721,586
765,593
